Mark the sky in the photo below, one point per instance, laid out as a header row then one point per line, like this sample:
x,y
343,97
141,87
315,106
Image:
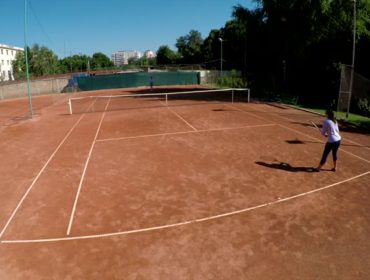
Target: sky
x,y
69,27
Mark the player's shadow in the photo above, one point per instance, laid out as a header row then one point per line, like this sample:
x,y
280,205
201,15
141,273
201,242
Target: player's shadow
x,y
286,167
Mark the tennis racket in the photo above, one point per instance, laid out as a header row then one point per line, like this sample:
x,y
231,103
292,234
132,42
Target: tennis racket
x,y
315,125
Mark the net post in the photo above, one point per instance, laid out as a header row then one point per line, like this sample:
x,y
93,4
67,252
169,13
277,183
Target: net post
x,y
70,106
166,99
232,96
249,94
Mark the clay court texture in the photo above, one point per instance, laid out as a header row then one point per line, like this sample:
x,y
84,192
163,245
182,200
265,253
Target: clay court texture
x,y
194,190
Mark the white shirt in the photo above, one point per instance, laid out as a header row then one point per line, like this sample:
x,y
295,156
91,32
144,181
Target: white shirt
x,y
331,130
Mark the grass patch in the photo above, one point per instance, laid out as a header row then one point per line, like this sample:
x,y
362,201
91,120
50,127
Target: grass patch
x,y
353,119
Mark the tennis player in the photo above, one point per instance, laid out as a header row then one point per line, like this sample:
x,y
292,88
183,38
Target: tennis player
x,y
331,131
151,83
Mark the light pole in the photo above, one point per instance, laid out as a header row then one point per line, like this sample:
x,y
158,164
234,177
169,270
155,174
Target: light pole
x,y
220,39
353,58
26,60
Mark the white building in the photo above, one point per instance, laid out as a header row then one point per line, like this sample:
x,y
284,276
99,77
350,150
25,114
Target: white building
x,y
122,57
7,55
149,54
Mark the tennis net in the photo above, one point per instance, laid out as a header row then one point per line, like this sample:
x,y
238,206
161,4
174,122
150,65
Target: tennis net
x,y
101,103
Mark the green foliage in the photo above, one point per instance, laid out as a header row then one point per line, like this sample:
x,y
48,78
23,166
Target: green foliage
x,y
288,46
364,106
189,47
75,63
100,61
231,81
19,66
42,61
363,18
167,56
143,61
353,119
211,48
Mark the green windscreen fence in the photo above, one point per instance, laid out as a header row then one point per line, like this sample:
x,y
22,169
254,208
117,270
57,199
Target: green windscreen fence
x,y
128,80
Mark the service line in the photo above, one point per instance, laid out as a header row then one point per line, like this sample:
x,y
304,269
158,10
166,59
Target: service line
x,y
228,214
184,132
181,118
249,113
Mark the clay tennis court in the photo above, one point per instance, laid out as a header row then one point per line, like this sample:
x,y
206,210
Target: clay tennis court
x,y
208,190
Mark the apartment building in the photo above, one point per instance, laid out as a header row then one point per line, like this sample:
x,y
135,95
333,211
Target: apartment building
x,y
7,55
122,57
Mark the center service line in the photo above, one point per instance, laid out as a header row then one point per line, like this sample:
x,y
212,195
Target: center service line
x,y
84,171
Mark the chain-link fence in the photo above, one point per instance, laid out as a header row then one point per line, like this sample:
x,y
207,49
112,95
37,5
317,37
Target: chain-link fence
x,y
354,92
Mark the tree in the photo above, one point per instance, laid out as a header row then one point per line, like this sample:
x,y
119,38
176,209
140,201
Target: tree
x,y
100,61
41,60
190,46
211,49
19,66
304,43
75,63
166,56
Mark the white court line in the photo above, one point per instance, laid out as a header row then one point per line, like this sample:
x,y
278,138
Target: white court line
x,y
249,113
297,131
192,127
341,149
38,176
183,132
359,145
122,233
346,139
84,172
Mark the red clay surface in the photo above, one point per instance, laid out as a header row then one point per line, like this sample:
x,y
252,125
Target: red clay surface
x,y
203,191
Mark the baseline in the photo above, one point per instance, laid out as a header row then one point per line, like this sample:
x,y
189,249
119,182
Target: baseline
x,y
122,233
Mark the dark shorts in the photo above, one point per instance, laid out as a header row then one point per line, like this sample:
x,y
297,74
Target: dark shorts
x,y
330,147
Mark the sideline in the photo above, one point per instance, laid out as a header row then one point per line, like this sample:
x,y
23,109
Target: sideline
x,y
307,135
341,149
38,176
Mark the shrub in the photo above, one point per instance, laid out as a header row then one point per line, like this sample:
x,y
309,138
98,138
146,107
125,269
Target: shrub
x,y
232,81
364,106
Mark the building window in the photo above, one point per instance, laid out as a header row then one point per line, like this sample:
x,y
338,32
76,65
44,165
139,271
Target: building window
x,y
8,62
12,52
6,52
2,62
1,51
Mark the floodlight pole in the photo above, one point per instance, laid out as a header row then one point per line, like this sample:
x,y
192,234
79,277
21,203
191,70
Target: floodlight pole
x,y
220,39
353,59
26,59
